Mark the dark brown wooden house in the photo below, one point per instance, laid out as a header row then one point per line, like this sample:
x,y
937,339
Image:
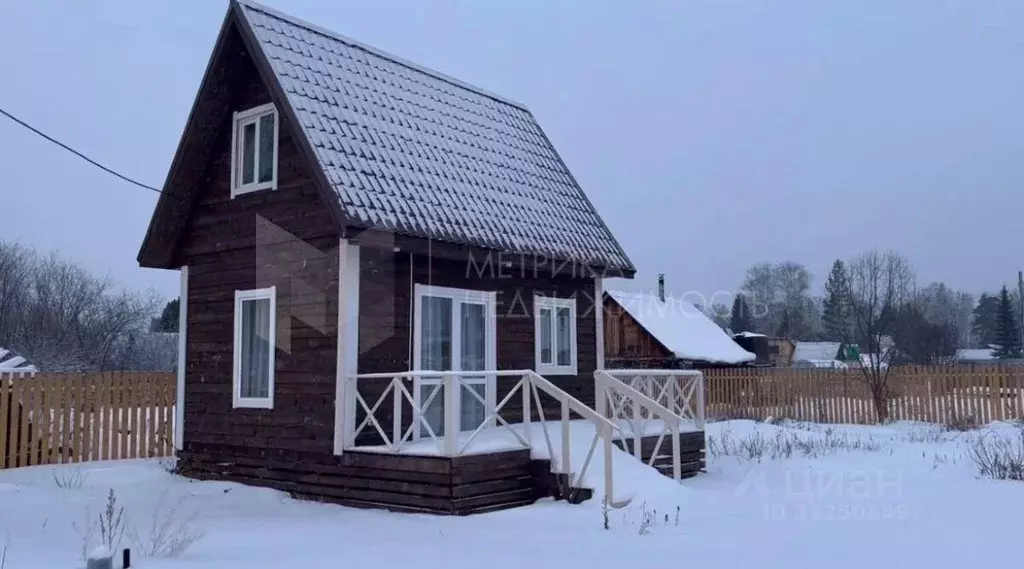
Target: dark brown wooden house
x,y
373,256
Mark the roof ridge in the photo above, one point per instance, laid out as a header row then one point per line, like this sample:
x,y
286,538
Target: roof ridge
x,y
379,52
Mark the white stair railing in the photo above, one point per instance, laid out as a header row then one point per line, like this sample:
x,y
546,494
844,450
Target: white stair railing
x,y
638,416
410,430
681,391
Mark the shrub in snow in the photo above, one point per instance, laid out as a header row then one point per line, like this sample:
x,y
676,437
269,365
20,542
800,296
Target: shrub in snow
x,y
783,445
171,531
69,479
112,525
958,422
999,457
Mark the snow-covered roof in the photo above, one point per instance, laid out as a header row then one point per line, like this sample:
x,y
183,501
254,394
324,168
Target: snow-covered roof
x,y
10,362
820,364
750,335
682,328
811,351
410,151
974,354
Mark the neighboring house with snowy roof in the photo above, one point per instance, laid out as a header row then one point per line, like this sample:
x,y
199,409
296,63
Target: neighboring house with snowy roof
x,y
648,330
974,355
817,352
336,212
13,363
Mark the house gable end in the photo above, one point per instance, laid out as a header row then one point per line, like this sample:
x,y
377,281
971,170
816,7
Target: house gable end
x,y
235,80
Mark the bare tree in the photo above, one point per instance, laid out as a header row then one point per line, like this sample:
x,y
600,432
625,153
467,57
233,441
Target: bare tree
x,y
774,290
61,318
881,289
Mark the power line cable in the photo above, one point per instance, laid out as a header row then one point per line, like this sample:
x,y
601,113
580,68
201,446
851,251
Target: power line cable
x,y
77,153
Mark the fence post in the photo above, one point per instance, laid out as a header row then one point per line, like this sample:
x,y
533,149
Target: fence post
x,y
451,424
396,414
525,385
700,401
566,446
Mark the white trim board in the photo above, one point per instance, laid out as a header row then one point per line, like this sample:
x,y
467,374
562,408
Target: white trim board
x,y
179,392
347,362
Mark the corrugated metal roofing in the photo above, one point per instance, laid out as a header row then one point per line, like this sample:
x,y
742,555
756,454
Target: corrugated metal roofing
x,y
410,151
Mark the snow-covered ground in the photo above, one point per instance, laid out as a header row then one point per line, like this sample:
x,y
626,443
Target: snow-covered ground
x,y
801,496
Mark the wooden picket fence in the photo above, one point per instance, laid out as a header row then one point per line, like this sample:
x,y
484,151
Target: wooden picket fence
x,y
78,417
948,395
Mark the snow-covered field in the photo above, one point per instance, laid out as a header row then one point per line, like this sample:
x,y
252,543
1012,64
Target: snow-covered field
x,y
802,495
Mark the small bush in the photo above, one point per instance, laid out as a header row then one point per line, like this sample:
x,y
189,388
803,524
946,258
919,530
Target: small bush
x,y
783,445
68,478
998,457
962,423
171,531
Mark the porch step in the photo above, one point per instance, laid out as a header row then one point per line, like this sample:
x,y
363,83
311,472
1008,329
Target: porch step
x,y
547,484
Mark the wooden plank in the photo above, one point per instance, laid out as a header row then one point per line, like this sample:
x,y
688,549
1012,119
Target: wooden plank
x,y
159,407
41,422
20,420
134,390
31,420
142,414
122,415
103,385
5,417
87,422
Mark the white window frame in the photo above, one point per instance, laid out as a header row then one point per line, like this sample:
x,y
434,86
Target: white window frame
x,y
241,119
553,304
254,402
457,295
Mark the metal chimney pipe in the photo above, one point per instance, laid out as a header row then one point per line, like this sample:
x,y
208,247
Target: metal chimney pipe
x,y
661,287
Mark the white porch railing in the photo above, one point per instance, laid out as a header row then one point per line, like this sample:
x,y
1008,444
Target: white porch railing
x,y
409,430
680,391
638,416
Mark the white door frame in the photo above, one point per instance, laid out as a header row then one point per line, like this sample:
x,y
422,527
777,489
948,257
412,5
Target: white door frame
x,y
457,295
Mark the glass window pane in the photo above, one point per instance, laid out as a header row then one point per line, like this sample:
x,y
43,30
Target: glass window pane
x,y
564,337
545,336
266,162
255,343
473,411
436,334
434,412
473,337
248,153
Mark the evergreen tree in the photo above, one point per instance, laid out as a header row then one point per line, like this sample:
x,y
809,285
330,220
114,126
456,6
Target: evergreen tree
x,y
741,319
984,321
168,321
785,327
835,313
1007,333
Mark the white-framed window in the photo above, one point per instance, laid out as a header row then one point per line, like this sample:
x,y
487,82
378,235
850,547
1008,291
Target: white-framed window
x,y
254,150
455,330
555,335
255,347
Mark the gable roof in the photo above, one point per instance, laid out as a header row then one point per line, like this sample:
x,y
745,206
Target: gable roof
x,y
682,328
407,150
816,351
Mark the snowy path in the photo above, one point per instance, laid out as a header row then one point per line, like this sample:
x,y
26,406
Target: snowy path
x,y
907,503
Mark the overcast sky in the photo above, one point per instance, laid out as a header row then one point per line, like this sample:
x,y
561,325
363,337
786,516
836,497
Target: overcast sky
x,y
710,135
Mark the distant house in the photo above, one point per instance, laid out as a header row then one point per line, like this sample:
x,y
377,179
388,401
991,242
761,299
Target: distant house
x,y
974,355
11,363
647,330
817,352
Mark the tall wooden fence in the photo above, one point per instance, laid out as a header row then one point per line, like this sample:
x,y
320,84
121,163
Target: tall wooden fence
x,y
936,394
76,417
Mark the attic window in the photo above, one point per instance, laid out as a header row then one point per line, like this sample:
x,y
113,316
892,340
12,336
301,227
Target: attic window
x,y
254,150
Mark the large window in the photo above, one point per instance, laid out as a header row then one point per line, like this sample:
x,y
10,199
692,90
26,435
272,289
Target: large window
x,y
255,343
455,331
555,335
254,150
